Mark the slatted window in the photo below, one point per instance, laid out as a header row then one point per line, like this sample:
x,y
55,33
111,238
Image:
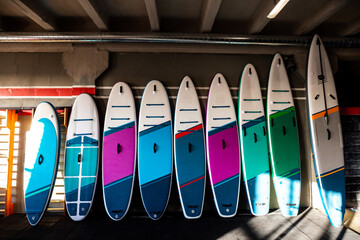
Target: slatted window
x,y
4,154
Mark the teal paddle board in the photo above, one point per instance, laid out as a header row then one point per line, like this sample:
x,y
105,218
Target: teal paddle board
x,y
81,157
253,142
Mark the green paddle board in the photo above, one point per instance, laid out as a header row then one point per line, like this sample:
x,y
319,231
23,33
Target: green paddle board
x,y
283,139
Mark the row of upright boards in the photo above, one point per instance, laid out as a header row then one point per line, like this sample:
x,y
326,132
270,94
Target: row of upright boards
x,y
152,142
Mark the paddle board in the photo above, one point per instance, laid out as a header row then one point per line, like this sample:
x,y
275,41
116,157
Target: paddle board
x,y
81,157
155,149
223,147
283,139
253,139
325,132
41,161
119,146
189,147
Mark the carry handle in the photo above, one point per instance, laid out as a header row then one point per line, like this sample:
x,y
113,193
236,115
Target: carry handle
x,y
329,134
223,144
155,147
79,158
284,130
190,147
264,130
41,159
118,148
255,137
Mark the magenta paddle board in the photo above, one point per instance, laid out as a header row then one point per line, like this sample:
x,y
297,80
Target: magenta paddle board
x,y
119,146
223,147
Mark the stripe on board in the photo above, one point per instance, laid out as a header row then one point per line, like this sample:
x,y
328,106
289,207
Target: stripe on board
x,y
188,131
192,182
322,113
331,172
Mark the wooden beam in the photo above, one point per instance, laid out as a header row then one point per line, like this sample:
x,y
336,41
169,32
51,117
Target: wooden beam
x,y
351,29
93,11
259,19
152,14
320,15
35,12
210,10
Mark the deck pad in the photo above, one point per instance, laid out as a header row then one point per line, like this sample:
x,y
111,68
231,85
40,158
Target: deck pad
x,y
223,147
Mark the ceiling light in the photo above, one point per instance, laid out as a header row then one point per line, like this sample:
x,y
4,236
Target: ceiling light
x,y
278,7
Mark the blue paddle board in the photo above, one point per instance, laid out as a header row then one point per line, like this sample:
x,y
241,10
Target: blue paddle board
x,y
189,150
41,161
155,149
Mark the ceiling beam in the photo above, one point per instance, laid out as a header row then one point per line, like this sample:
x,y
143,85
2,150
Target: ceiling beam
x,y
351,29
35,12
210,10
94,12
320,15
259,19
152,14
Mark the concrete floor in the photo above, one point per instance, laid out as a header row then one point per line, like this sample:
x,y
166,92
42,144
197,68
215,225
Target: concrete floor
x,y
310,224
